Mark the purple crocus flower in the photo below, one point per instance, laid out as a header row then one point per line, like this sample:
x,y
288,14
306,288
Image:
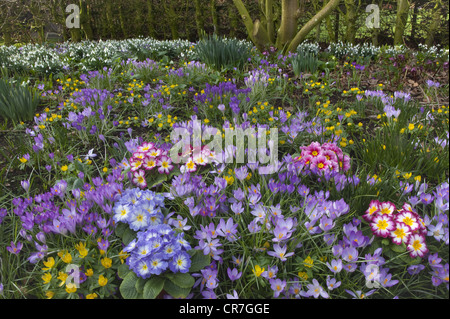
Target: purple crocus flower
x,y
278,286
336,265
332,284
15,249
227,229
280,252
315,290
233,274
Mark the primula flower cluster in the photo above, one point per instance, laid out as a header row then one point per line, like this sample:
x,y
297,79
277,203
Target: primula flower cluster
x,y
322,157
402,226
148,157
139,209
157,249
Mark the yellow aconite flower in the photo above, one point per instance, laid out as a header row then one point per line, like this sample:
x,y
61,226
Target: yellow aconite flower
x,y
46,278
411,127
71,288
258,270
89,272
229,179
63,277
102,281
64,168
303,275
123,255
49,294
49,263
92,296
82,249
65,257
23,160
106,262
308,262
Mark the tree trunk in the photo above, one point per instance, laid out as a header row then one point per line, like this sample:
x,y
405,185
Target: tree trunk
x,y
304,31
414,23
288,25
401,20
150,19
122,22
246,19
199,22
435,22
270,20
336,26
214,16
350,20
172,18
85,20
233,21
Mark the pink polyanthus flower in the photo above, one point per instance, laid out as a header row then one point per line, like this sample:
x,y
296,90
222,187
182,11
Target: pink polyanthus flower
x,y
382,225
417,246
408,218
372,211
325,157
313,150
387,208
165,165
135,164
139,178
400,234
320,162
149,163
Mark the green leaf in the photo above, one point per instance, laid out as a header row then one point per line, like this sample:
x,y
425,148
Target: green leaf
x,y
385,242
140,285
78,183
183,280
123,270
153,287
156,180
128,286
175,291
79,166
128,236
398,248
198,260
120,229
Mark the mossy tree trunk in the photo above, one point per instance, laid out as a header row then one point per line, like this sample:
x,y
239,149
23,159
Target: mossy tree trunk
x,y
150,19
350,20
85,20
401,21
435,22
288,38
199,21
171,18
214,16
